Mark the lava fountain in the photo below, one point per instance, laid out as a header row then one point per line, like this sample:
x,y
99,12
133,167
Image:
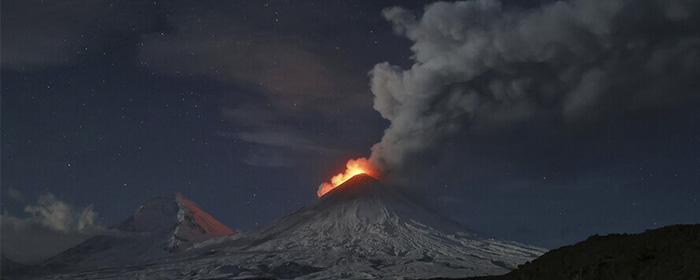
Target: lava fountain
x,y
353,167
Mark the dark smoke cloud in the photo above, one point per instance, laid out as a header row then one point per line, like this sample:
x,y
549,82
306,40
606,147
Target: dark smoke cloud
x,y
480,65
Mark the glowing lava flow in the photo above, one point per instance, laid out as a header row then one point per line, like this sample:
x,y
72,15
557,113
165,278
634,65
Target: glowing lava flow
x,y
352,168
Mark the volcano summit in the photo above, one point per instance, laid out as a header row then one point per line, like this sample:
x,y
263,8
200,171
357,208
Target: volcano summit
x,y
358,230
363,230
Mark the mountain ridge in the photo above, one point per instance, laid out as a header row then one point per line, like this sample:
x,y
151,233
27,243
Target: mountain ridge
x,y
360,230
160,227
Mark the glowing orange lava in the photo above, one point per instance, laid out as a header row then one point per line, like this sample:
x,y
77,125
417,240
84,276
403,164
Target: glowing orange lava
x,y
352,168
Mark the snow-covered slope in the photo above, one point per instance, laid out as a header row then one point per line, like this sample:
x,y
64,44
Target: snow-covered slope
x,y
360,230
365,230
179,218
158,228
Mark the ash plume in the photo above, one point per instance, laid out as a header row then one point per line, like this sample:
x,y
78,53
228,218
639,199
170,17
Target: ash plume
x,y
479,65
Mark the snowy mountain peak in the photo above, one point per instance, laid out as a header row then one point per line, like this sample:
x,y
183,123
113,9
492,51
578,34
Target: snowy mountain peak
x,y
364,200
194,224
360,185
155,215
157,229
177,215
364,229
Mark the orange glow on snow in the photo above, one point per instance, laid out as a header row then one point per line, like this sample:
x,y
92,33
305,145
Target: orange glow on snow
x,y
352,168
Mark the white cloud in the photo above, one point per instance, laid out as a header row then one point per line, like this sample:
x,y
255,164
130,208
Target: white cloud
x,y
51,227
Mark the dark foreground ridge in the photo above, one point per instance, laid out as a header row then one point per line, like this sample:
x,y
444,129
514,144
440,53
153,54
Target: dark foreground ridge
x,y
669,253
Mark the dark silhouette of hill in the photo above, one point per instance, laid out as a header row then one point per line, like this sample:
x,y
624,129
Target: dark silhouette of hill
x,y
668,253
8,265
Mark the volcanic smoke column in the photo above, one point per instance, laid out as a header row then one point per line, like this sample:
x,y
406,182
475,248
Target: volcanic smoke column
x,y
481,65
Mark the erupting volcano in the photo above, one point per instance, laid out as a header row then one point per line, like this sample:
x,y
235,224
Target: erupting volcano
x,y
353,167
364,229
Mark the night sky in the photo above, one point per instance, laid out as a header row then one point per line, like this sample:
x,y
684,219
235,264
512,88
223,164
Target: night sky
x,y
247,106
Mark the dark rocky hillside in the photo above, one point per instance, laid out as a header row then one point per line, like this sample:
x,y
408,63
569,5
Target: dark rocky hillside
x,y
8,266
667,253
